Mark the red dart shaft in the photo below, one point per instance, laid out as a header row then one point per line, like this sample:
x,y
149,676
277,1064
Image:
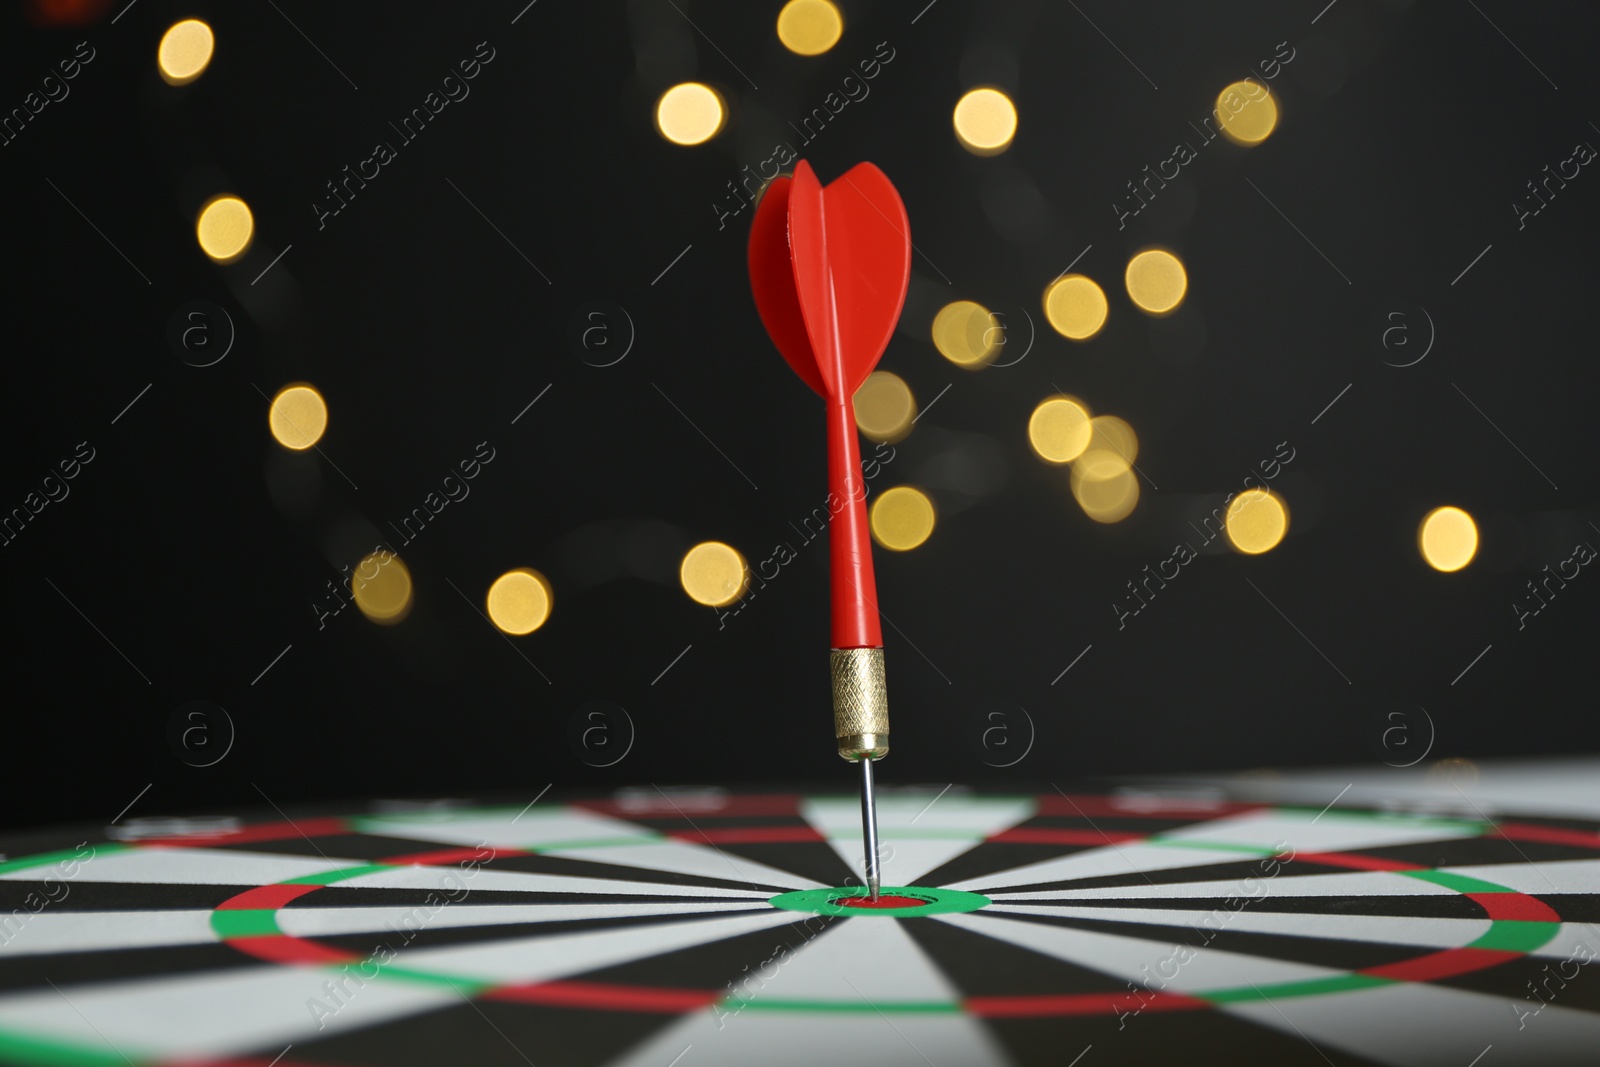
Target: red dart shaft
x,y
855,590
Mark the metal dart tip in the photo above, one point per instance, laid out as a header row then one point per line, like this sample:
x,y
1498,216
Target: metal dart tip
x,y
869,826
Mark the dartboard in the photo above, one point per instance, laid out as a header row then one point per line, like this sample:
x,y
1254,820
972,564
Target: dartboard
x,y
661,927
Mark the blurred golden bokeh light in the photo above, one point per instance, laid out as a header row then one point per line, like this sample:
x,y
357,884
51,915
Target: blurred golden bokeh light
x,y
1447,539
885,407
1247,112
298,417
966,334
713,574
386,596
1455,772
519,601
1104,486
985,121
1256,521
1156,281
902,518
690,113
1060,429
809,27
1075,306
224,228
184,51
1114,435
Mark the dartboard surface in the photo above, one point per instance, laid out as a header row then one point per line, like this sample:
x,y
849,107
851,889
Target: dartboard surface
x,y
706,927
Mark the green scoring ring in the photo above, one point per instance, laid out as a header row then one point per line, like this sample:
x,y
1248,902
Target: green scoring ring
x,y
939,901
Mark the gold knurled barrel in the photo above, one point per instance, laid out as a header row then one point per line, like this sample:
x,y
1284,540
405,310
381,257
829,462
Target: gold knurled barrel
x,y
860,703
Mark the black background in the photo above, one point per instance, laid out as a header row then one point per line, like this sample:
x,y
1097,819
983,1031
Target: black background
x,y
175,571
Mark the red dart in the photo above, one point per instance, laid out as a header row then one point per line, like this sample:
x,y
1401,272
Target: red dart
x,y
829,269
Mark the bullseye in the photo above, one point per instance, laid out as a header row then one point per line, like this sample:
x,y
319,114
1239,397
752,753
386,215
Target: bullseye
x,y
895,901
883,901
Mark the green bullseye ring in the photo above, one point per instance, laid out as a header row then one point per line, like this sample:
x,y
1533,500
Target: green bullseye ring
x,y
935,901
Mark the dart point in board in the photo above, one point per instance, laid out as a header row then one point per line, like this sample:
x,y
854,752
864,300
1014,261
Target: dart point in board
x,y
829,266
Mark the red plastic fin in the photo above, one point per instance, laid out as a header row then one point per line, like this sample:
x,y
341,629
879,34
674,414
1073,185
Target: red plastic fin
x,y
772,283
808,250
869,254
